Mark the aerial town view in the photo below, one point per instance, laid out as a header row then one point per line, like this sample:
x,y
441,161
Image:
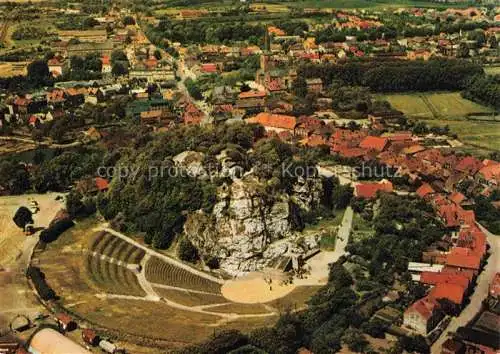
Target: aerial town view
x,y
250,176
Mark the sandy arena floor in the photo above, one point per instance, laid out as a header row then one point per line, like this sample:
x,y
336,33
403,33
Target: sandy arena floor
x,y
256,287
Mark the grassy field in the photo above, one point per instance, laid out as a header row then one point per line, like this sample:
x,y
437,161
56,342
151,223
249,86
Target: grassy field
x,y
327,229
442,105
450,109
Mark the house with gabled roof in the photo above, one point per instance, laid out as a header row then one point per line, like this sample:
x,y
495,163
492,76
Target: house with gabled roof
x,y
423,315
424,190
274,122
369,190
374,143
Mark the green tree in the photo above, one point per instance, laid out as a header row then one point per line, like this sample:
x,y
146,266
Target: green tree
x,y
187,252
38,73
119,69
299,87
355,340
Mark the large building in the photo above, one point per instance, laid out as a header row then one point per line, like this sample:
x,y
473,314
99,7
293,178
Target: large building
x,y
154,75
48,340
94,36
82,49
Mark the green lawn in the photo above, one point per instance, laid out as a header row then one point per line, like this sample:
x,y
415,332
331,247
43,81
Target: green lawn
x,y
327,229
449,108
441,105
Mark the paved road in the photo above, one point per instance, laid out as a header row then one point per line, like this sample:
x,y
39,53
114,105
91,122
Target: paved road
x,y
319,263
480,291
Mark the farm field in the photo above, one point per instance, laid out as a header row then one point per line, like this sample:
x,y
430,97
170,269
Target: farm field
x,y
13,69
447,105
116,284
450,109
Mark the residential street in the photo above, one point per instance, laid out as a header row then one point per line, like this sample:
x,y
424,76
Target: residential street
x,y
480,291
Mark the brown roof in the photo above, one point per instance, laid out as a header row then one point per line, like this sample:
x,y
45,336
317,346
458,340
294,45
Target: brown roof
x,y
274,120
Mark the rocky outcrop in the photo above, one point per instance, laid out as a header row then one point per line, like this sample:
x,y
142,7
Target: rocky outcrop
x,y
247,228
191,162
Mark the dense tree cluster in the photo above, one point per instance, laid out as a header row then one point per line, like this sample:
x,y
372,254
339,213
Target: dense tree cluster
x,y
51,233
14,177
484,89
28,32
38,279
60,172
404,227
397,75
156,203
487,214
205,32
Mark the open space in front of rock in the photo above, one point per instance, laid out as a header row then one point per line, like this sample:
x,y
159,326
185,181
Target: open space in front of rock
x,y
258,287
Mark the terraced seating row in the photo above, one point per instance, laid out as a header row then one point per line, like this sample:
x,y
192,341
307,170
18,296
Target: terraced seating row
x,y
117,248
98,238
158,271
112,278
187,298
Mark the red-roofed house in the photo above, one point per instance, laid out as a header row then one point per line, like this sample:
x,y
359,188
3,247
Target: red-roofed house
x,y
106,64
56,67
454,215
424,190
457,197
435,278
102,184
65,322
369,190
463,258
423,315
252,94
469,165
452,292
209,68
490,173
472,238
33,121
192,115
374,143
274,122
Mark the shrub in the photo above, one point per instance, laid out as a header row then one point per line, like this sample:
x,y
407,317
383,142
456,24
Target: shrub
x,y
53,232
23,217
212,262
38,278
187,252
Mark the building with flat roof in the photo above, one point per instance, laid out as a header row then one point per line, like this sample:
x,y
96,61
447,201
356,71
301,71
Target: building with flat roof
x,y
48,340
